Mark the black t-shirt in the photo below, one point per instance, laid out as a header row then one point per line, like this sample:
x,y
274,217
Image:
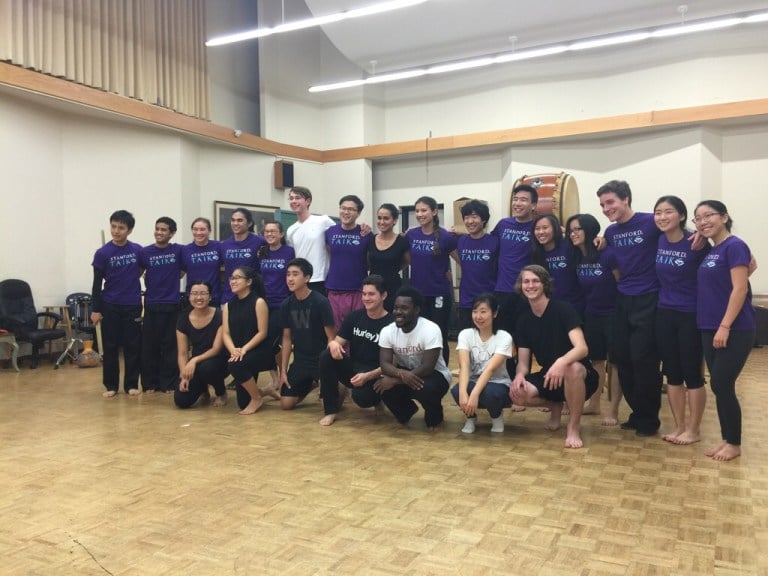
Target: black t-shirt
x,y
201,340
307,320
362,333
547,337
387,263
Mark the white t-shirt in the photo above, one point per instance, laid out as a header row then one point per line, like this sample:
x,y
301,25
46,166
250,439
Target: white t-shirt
x,y
308,241
480,353
409,347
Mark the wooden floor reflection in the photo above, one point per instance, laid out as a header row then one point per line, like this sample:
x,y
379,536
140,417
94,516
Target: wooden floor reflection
x,y
132,486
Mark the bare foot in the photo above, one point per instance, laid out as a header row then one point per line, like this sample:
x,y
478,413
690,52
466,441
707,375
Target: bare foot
x,y
171,392
109,394
715,449
134,392
517,408
553,423
252,408
672,435
610,421
573,440
327,420
591,410
566,411
205,398
219,401
433,429
686,438
727,452
151,391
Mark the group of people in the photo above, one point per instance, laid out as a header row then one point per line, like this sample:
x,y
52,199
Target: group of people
x,y
649,296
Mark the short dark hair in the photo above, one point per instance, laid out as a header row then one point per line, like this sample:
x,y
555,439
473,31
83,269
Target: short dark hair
x,y
477,207
302,191
200,283
377,281
170,222
124,217
526,188
302,264
618,187
355,199
410,292
541,273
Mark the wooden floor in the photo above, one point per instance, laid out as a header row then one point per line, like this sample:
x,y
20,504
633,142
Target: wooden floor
x,y
132,486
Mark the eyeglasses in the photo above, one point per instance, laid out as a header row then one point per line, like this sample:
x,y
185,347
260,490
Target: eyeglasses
x,y
705,217
233,278
198,294
347,209
575,230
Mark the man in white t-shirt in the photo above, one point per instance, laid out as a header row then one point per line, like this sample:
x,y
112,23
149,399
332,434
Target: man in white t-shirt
x,y
307,235
412,364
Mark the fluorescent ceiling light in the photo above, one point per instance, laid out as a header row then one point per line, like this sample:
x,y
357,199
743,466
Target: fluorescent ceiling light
x,y
312,22
540,52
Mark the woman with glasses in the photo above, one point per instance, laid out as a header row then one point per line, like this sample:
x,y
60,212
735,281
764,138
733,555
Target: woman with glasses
x,y
273,262
199,339
594,273
677,336
725,316
431,250
550,252
246,327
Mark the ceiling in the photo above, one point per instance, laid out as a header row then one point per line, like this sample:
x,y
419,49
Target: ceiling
x,y
448,30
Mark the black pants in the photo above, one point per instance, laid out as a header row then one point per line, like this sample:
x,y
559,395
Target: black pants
x,y
159,362
332,372
725,365
400,400
211,371
679,344
440,316
637,360
121,327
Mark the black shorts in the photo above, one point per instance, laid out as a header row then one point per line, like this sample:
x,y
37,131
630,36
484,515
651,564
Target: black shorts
x,y
302,380
591,381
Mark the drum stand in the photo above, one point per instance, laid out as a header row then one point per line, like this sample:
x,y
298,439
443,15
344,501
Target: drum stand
x,y
73,347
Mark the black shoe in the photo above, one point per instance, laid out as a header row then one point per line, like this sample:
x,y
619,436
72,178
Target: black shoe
x,y
628,425
643,433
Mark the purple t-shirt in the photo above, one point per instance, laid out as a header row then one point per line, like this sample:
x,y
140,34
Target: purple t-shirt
x,y
235,254
715,286
272,268
348,250
203,263
677,267
162,273
121,270
479,258
563,272
514,251
429,272
598,284
634,244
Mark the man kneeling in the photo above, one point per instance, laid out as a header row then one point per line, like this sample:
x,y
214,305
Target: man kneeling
x,y
551,331
358,369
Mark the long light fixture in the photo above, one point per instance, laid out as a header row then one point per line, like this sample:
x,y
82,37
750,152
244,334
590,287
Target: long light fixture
x,y
312,22
550,50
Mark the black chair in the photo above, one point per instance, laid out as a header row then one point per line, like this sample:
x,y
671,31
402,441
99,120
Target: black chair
x,y
19,316
79,310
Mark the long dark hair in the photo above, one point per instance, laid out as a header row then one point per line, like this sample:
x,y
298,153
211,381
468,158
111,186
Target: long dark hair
x,y
679,207
538,255
257,284
591,228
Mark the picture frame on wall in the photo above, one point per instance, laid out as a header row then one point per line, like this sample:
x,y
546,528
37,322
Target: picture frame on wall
x,y
223,214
